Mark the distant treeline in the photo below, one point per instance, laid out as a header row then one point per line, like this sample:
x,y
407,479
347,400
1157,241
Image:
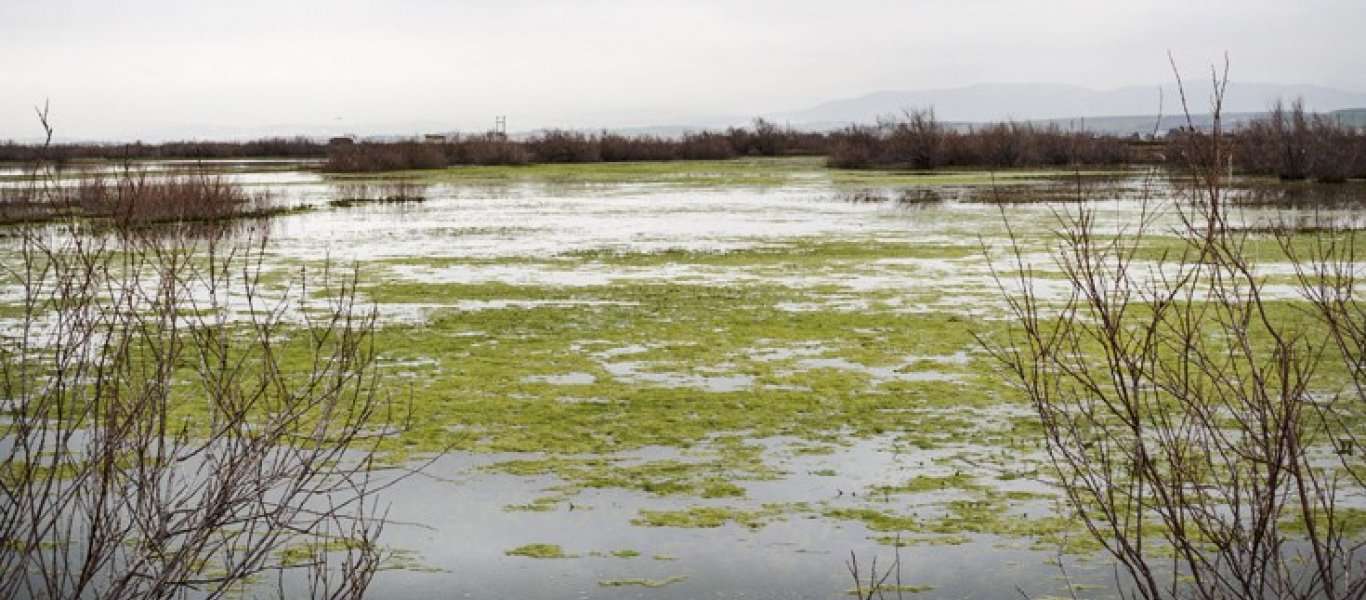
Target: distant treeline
x,y
296,147
764,138
920,141
1289,143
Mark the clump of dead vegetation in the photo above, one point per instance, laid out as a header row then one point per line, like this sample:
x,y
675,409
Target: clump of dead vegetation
x,y
136,199
393,192
130,197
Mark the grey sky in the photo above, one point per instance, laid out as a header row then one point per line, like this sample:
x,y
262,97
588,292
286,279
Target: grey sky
x,y
117,68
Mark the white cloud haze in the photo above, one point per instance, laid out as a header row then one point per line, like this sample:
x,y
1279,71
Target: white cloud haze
x,y
148,67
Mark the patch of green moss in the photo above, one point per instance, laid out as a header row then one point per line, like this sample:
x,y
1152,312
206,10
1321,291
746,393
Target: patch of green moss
x,y
539,551
930,483
303,553
482,364
542,504
809,253
712,516
1350,523
985,512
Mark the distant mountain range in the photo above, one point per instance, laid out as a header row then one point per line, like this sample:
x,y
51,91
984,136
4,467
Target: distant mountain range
x,y
1122,111
1030,101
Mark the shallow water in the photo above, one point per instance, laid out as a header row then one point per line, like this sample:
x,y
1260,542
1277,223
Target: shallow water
x,y
456,516
466,530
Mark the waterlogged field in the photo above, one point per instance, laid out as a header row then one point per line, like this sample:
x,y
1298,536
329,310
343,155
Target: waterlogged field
x,y
716,379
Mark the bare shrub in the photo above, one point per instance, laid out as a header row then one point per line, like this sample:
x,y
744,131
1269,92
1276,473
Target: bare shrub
x,y
855,147
1290,132
174,427
24,205
1190,418
136,199
390,192
766,138
917,140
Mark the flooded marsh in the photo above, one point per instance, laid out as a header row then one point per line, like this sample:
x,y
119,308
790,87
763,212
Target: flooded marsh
x,y
711,379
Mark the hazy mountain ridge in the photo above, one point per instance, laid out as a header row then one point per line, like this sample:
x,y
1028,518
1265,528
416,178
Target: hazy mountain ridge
x,y
1028,101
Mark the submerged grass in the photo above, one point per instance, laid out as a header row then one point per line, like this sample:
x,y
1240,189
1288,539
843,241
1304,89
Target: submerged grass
x,y
716,516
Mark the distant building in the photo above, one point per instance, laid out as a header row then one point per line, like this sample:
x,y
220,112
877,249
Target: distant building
x,y
341,140
434,138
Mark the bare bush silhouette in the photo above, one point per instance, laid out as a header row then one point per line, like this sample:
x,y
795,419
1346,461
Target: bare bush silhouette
x,y
1197,425
174,426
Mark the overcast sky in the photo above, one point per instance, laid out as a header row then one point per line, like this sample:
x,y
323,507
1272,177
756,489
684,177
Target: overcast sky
x,y
117,68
